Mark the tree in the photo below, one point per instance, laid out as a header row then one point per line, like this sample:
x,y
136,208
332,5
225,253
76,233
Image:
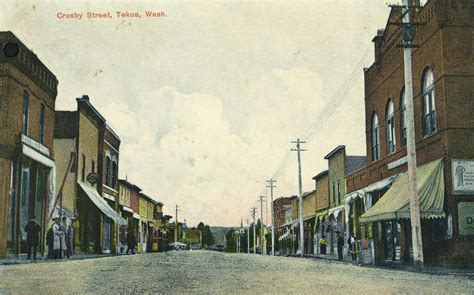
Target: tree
x,y
230,241
207,237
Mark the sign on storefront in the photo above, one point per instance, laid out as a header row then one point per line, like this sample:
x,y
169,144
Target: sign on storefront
x,y
463,176
466,218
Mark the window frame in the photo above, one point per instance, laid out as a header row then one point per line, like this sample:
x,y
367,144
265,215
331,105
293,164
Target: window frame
x,y
403,119
390,127
42,122
26,112
428,105
375,136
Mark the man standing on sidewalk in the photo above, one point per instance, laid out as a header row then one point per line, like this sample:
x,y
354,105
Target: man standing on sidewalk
x,y
32,230
340,245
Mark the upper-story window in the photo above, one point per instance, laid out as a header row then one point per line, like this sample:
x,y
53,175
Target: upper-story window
x,y
390,128
26,110
114,174
375,138
428,103
41,123
107,171
403,119
83,168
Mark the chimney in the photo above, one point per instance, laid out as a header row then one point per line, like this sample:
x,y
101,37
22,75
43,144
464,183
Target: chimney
x,y
378,44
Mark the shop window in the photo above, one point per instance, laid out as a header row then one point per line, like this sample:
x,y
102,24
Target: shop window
x,y
92,166
375,138
390,121
440,229
26,109
41,123
428,103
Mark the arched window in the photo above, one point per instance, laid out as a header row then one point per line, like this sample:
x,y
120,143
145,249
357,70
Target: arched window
x,y
403,119
390,121
26,110
428,103
375,138
114,174
107,171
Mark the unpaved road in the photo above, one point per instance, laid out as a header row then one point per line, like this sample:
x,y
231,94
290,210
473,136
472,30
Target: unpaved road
x,y
212,272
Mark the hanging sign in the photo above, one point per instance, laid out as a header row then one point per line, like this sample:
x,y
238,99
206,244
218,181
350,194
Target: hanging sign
x,y
463,176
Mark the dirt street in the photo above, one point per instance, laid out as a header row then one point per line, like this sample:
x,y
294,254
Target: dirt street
x,y
213,272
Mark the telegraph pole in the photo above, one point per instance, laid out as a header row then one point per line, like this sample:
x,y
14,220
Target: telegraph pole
x,y
261,199
411,140
300,192
176,226
248,237
271,186
253,215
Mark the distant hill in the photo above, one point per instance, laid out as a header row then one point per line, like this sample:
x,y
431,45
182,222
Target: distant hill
x,y
219,233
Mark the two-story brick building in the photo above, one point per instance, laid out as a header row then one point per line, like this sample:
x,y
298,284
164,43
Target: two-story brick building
x,y
28,92
339,166
443,79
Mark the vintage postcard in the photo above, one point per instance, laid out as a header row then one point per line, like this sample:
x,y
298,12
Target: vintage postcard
x,y
280,147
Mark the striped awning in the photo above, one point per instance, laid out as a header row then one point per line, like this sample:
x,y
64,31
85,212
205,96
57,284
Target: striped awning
x,y
395,203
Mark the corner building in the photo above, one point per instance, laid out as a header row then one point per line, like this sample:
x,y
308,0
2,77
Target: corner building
x,y
28,91
443,79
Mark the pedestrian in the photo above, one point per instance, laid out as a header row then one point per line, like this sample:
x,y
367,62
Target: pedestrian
x,y
323,244
131,242
32,230
58,235
67,241
122,238
340,245
352,247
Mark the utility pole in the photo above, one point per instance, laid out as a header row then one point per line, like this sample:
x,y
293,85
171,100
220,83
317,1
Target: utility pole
x,y
300,193
248,237
411,140
253,215
261,199
176,226
271,186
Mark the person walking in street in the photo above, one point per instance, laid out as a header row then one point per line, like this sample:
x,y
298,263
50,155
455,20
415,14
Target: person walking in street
x,y
131,242
340,245
32,230
58,237
323,244
352,248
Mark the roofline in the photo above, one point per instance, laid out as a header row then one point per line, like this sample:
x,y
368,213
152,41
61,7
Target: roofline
x,y
129,184
321,174
335,151
107,126
85,99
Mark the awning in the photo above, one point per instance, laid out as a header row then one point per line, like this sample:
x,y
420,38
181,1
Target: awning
x,y
336,210
395,203
136,216
309,217
128,209
379,185
102,204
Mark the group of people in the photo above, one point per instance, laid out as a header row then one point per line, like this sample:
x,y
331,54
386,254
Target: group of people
x,y
60,238
127,239
323,242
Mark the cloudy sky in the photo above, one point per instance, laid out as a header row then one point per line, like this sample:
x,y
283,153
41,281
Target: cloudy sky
x,y
207,99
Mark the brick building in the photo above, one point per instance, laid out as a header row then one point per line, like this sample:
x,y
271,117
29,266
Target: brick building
x,y
443,79
27,168
339,166
81,134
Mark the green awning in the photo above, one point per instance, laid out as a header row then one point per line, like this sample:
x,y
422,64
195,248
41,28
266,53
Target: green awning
x,y
395,203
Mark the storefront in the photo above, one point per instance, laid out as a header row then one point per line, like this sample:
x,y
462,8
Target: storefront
x,y
96,221
389,218
32,191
